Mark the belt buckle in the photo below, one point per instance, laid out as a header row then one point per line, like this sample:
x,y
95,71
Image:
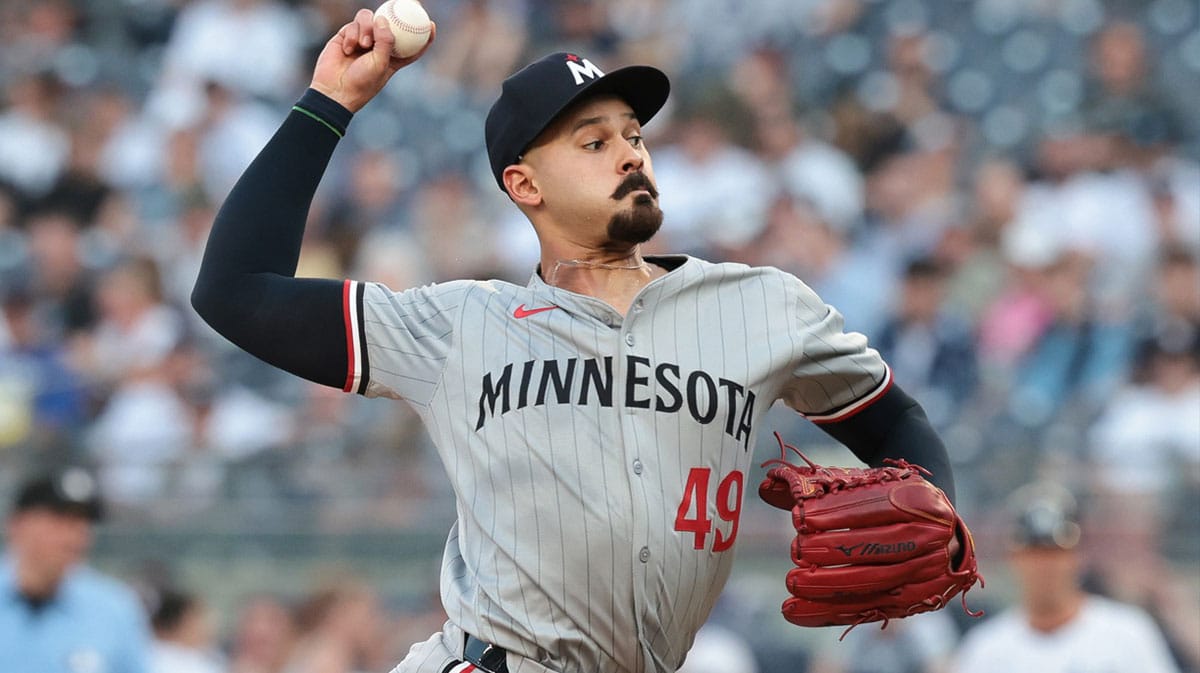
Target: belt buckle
x,y
485,656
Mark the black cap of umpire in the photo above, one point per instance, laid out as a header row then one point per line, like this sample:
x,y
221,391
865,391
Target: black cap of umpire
x,y
71,490
535,95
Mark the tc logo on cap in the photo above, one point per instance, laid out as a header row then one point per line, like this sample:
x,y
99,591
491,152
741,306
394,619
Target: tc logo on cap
x,y
581,68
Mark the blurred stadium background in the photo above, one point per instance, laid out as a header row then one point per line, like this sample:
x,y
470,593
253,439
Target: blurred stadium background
x,y
1004,195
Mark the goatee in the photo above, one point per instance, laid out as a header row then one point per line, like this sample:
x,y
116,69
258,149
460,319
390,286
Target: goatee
x,y
642,220
638,224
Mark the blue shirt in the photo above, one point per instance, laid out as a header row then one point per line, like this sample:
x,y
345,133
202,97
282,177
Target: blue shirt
x,y
93,624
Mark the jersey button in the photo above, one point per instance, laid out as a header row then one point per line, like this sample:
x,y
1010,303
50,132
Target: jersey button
x,y
638,305
637,467
629,339
644,554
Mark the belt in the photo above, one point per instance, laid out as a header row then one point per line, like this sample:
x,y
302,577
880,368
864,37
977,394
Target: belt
x,y
486,657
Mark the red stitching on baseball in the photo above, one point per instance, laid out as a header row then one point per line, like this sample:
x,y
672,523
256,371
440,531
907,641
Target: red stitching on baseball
x,y
401,24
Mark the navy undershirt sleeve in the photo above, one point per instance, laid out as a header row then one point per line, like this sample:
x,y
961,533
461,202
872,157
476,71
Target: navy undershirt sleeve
x,y
895,426
246,288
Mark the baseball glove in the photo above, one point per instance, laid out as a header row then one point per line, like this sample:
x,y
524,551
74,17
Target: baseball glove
x,y
871,544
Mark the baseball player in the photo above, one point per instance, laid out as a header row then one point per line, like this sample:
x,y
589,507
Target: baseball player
x,y
596,424
1058,626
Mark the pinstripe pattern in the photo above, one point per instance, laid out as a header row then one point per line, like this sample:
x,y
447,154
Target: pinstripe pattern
x,y
570,435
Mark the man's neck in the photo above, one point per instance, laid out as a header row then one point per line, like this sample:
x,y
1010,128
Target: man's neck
x,y
1048,619
613,278
36,585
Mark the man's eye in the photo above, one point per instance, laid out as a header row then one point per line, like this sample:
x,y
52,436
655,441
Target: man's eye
x,y
636,141
594,145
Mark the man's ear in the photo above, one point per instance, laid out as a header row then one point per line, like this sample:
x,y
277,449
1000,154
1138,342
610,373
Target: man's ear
x,y
518,181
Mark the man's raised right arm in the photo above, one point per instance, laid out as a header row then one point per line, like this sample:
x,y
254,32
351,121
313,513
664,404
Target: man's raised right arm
x,y
246,289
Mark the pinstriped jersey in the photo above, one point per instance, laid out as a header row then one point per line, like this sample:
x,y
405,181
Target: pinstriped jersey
x,y
600,461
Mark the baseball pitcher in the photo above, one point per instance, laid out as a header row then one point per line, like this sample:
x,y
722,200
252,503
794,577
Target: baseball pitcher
x,y
596,424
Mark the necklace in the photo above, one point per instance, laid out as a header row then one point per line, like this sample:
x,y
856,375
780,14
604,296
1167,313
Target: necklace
x,y
640,264
584,264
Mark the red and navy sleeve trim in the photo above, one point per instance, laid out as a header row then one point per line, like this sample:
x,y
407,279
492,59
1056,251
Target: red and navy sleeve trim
x,y
358,365
846,411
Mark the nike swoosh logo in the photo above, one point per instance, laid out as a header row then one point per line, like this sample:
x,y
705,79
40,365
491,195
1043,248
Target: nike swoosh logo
x,y
523,312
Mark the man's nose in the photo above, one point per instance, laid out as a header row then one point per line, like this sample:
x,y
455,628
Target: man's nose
x,y
633,161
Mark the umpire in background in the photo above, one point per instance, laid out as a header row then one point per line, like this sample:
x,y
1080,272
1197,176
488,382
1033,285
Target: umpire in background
x,y
56,614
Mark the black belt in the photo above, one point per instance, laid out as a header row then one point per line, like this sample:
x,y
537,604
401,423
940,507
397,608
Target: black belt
x,y
486,657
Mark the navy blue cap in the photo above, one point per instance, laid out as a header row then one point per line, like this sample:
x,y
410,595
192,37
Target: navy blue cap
x,y
71,490
535,95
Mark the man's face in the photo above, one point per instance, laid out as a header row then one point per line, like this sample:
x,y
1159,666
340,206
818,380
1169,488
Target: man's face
x,y
48,540
1047,576
594,173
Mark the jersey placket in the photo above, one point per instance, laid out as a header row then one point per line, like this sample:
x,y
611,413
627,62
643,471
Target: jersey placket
x,y
635,341
623,342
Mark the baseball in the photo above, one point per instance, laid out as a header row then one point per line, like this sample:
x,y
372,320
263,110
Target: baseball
x,y
409,23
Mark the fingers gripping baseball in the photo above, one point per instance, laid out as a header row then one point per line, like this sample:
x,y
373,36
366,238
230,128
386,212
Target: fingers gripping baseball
x,y
357,61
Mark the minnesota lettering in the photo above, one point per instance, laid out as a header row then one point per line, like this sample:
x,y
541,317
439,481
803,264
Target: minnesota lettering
x,y
664,387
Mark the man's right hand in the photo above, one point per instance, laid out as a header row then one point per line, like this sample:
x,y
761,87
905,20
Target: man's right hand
x,y
357,61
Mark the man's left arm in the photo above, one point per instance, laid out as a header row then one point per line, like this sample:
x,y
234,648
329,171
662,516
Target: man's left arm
x,y
895,426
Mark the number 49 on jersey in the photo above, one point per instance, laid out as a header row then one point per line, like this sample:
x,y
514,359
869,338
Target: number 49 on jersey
x,y
693,509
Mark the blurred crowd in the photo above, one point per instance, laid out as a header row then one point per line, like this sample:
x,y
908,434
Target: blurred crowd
x,y
1003,195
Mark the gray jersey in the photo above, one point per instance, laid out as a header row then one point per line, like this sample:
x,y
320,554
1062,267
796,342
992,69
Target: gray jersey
x,y
599,461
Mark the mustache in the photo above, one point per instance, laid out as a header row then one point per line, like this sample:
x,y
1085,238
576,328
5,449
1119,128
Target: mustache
x,y
634,182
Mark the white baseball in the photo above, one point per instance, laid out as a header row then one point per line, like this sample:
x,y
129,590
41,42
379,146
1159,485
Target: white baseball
x,y
409,23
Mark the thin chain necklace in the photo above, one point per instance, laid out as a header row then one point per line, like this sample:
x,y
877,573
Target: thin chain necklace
x,y
639,265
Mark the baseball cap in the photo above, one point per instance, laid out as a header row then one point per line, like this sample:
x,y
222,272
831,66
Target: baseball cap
x,y
535,95
70,490
1046,517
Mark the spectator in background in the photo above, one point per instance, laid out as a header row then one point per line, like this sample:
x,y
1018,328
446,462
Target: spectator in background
x,y
931,351
1091,207
42,397
1145,461
34,145
973,251
488,39
910,202
1147,147
203,47
233,127
809,169
170,429
796,238
35,32
341,630
716,190
1175,300
56,614
375,200
1058,627
1079,357
263,636
1120,87
183,635
137,329
58,278
1147,442
453,230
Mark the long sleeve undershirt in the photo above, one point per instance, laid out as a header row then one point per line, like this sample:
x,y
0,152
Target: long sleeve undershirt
x,y
246,288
